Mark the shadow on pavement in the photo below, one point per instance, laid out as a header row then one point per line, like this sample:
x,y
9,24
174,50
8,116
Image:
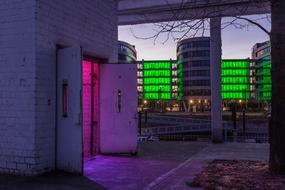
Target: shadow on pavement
x,y
51,181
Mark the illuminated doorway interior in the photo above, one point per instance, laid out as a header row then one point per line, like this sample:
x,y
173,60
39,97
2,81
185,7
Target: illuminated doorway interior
x,y
90,107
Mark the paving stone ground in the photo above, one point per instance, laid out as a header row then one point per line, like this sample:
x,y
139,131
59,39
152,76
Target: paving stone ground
x,y
158,166
154,159
167,165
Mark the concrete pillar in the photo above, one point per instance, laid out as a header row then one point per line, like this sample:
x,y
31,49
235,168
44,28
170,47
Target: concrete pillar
x,y
215,62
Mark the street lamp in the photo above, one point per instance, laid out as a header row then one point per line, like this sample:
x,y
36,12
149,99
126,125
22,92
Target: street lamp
x,y
160,97
190,103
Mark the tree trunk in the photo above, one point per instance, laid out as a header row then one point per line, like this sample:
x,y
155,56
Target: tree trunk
x,y
277,145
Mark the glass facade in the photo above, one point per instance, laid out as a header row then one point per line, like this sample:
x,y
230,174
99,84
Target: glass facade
x,y
164,80
193,57
235,79
158,80
264,84
126,53
262,54
180,80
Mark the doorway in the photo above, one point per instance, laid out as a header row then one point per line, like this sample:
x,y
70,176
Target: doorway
x,y
84,88
90,108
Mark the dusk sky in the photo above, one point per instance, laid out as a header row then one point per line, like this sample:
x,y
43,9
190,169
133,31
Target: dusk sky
x,y
237,43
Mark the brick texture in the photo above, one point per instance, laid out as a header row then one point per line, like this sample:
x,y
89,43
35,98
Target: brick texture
x,y
29,33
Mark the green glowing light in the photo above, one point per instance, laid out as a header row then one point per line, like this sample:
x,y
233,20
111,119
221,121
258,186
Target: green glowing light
x,y
156,88
235,80
156,73
239,72
264,80
157,65
157,96
235,95
157,81
235,87
235,64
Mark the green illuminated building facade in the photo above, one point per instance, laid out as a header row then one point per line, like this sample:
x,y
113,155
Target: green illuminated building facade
x,y
187,80
262,55
236,79
264,85
157,82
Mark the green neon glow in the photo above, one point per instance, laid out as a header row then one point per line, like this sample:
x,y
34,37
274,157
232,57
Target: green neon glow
x,y
235,64
267,86
235,95
241,87
157,65
231,72
157,96
264,80
235,79
156,88
157,81
156,73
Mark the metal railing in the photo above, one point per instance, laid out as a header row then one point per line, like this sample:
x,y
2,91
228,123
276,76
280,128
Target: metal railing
x,y
189,129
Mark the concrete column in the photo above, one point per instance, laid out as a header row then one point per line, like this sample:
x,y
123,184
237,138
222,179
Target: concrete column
x,y
215,62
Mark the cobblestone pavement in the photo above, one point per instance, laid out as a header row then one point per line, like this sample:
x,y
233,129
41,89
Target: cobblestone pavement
x,y
158,166
133,173
167,165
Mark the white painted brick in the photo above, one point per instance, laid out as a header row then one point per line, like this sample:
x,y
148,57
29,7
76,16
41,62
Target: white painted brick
x,y
21,166
11,165
29,32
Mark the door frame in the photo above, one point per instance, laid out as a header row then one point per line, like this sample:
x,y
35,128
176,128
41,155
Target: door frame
x,y
95,60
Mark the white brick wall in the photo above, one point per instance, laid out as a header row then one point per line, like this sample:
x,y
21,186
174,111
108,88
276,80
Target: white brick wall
x,y
93,24
17,89
29,32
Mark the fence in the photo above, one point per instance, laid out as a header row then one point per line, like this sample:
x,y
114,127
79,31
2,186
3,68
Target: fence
x,y
192,129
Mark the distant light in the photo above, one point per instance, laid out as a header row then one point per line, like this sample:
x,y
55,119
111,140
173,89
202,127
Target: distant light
x,y
240,101
145,102
191,101
199,101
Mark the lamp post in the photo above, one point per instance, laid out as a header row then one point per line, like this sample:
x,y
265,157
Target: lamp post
x,y
234,119
145,112
190,104
160,97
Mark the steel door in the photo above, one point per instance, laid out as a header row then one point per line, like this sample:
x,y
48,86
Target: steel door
x,y
118,108
69,106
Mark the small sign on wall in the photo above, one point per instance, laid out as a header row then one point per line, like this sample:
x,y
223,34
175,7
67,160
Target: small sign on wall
x,y
119,101
64,98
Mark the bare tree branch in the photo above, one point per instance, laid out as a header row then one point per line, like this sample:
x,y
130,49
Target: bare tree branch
x,y
254,23
184,28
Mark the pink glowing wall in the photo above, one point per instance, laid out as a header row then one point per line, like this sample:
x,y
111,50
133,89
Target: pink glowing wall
x,y
90,132
118,102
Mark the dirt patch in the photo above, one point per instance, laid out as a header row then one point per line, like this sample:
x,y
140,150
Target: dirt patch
x,y
238,175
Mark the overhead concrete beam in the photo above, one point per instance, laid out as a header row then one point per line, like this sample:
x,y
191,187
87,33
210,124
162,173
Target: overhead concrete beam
x,y
153,11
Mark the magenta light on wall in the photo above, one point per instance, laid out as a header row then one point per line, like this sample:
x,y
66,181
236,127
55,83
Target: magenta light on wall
x,y
90,89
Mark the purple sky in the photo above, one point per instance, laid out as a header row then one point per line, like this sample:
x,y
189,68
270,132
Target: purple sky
x,y
237,43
